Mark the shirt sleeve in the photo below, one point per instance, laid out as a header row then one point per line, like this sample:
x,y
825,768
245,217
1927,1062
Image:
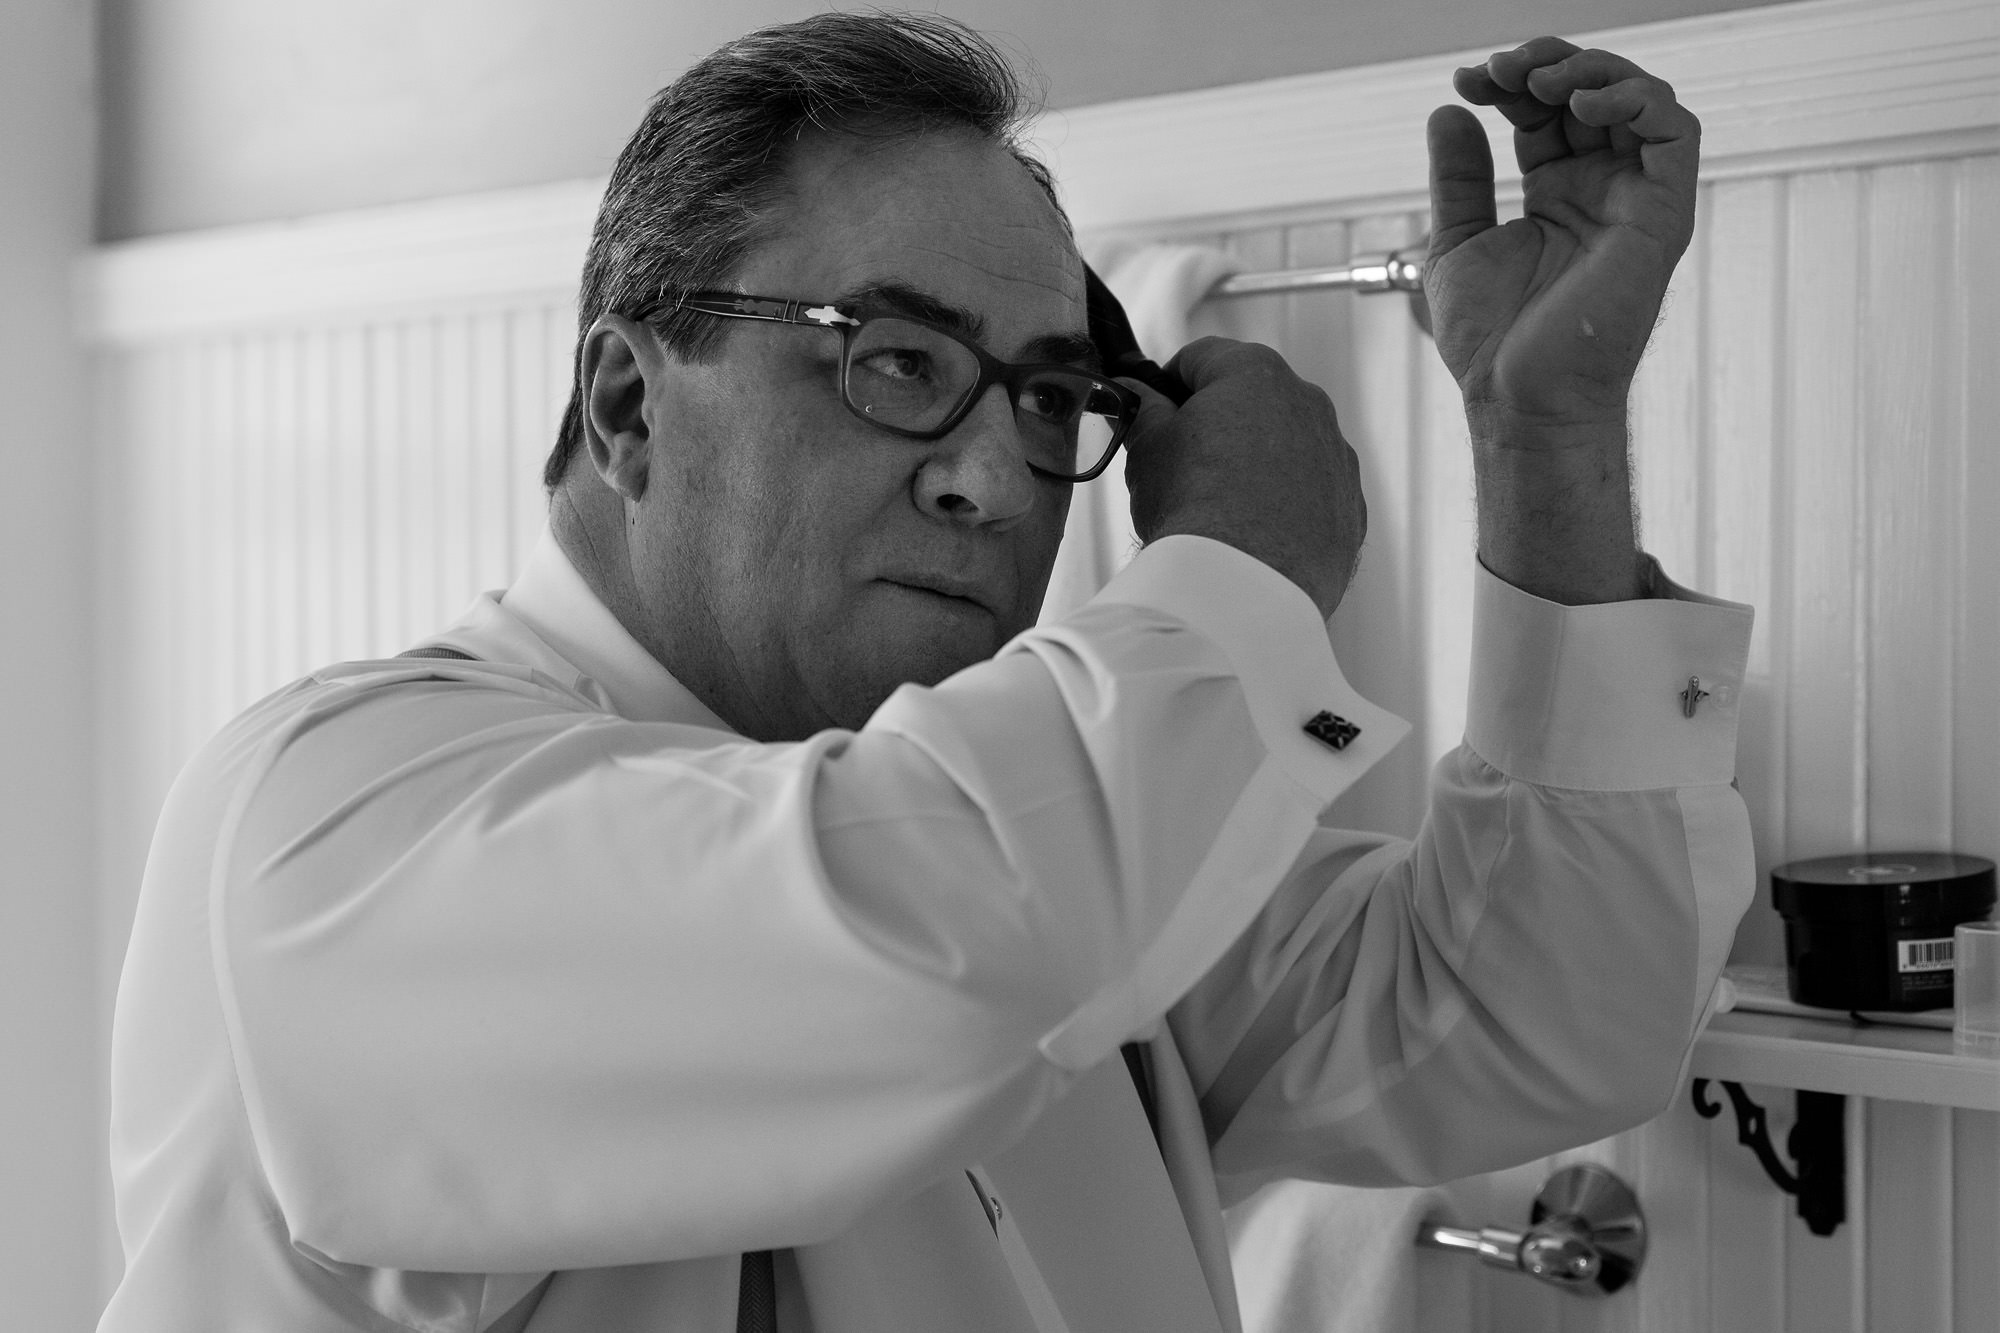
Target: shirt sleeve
x,y
514,985
1531,972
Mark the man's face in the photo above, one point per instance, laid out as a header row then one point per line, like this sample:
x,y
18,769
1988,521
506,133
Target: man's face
x,y
794,564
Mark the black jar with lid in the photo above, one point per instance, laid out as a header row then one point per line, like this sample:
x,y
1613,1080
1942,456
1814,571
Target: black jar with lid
x,y
1875,931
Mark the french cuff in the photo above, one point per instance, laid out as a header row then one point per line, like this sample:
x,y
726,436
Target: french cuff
x,y
1621,696
1277,645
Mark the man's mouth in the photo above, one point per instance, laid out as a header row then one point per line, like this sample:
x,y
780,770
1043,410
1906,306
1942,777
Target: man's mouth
x,y
962,590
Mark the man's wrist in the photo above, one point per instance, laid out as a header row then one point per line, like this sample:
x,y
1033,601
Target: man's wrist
x,y
1555,506
1505,428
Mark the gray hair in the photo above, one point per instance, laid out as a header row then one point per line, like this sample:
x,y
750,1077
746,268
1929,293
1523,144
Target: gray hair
x,y
693,187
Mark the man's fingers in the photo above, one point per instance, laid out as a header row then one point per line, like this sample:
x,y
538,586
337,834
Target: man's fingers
x,y
1564,101
1523,110
1510,69
1644,105
1643,116
1155,408
1206,360
1554,82
1506,83
1196,362
1476,85
1461,178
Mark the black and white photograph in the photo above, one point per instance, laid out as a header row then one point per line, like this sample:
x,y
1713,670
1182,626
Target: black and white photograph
x,y
1000,666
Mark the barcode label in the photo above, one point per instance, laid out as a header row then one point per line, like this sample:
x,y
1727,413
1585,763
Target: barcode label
x,y
1923,955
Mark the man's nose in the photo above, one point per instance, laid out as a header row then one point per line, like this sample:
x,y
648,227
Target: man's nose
x,y
978,474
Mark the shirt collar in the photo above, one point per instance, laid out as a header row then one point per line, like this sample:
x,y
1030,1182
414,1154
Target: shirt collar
x,y
551,620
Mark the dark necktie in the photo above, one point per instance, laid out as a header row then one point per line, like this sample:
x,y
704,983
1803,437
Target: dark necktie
x,y
757,1295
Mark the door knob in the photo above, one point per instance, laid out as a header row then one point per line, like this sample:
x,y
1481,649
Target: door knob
x,y
1585,1234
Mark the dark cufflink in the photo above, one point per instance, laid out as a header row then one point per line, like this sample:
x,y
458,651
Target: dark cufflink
x,y
1331,728
1692,696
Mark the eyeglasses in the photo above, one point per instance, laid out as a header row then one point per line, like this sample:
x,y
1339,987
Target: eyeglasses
x,y
915,379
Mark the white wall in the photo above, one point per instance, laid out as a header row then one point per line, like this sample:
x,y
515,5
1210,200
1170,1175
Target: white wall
x,y
50,1141
225,111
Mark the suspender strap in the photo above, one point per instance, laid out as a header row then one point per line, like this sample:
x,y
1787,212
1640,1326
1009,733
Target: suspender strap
x,y
1140,1068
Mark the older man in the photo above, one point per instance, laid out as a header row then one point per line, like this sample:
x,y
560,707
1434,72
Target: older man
x,y
738,923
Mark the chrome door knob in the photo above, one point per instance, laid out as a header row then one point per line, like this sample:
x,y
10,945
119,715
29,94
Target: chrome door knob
x,y
1585,1234
1559,1251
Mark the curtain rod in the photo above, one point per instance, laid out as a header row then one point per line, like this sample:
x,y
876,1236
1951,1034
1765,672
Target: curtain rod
x,y
1396,271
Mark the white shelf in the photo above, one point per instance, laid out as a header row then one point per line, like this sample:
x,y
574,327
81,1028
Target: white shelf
x,y
1832,1055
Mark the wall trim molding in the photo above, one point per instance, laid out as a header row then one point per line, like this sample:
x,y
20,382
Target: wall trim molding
x,y
1804,86
1776,88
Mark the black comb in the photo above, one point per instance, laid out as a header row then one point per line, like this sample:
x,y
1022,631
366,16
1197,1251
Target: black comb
x,y
1111,330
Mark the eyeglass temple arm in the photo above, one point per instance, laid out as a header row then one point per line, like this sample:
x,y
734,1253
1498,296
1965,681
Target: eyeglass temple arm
x,y
760,307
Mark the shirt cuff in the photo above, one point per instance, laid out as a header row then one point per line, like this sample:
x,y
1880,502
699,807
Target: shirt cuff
x,y
1277,645
1620,696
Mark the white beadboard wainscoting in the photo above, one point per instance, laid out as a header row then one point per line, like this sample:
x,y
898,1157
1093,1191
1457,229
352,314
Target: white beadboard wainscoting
x,y
318,440
1817,431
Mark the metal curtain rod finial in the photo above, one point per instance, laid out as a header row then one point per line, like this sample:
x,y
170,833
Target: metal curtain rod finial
x,y
1400,270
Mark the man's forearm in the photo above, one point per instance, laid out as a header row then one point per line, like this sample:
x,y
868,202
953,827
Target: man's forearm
x,y
1555,507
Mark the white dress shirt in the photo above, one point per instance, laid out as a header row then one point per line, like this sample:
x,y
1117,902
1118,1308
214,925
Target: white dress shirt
x,y
521,993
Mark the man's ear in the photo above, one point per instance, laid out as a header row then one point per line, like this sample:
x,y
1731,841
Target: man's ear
x,y
621,359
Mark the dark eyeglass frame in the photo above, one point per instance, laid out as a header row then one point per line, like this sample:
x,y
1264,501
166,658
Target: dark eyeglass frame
x,y
992,370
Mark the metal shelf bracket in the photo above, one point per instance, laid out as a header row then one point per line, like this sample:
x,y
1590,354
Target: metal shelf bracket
x,y
1817,1143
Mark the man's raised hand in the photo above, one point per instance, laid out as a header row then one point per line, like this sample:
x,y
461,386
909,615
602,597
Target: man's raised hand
x,y
1542,320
